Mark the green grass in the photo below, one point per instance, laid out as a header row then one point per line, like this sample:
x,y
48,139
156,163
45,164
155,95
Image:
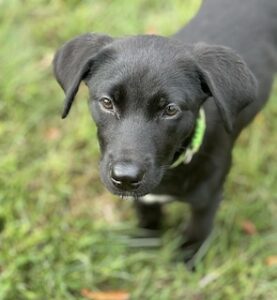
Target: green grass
x,y
60,231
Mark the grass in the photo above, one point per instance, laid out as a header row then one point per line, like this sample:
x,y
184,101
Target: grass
x,y
60,231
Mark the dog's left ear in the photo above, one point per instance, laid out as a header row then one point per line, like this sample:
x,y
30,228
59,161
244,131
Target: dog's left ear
x,y
75,60
226,77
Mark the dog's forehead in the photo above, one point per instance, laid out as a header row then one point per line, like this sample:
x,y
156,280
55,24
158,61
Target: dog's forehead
x,y
152,57
153,51
144,83
146,60
146,69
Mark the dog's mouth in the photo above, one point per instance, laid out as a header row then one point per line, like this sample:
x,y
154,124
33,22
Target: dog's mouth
x,y
127,195
137,191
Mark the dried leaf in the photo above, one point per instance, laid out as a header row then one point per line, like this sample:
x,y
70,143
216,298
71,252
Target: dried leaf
x,y
271,260
248,227
151,30
52,134
111,295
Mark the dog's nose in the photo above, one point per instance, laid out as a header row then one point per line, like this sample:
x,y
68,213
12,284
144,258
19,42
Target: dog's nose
x,y
126,175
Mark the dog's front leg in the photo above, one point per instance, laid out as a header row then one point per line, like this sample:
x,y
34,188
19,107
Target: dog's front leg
x,y
149,214
200,224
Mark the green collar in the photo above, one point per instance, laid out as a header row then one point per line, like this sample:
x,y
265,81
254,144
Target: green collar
x,y
196,141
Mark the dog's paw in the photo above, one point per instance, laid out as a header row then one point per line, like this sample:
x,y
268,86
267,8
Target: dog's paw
x,y
193,251
189,249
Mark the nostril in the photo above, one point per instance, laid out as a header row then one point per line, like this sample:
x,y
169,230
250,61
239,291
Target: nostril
x,y
126,175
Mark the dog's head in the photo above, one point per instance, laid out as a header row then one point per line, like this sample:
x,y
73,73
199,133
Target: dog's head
x,y
145,95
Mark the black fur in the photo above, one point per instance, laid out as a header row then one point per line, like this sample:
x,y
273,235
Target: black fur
x,y
223,60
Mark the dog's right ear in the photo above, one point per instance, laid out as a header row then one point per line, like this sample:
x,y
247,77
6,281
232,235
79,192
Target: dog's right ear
x,y
226,77
74,60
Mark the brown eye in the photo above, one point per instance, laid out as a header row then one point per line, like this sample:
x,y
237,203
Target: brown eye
x,y
171,110
107,103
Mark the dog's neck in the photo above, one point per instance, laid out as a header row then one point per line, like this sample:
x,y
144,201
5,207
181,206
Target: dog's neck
x,y
192,144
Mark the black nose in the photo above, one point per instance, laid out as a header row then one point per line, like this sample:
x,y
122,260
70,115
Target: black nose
x,y
126,175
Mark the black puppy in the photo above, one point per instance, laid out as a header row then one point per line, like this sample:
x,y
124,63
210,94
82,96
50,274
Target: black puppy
x,y
157,100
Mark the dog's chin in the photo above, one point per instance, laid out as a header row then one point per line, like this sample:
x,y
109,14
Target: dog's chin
x,y
133,193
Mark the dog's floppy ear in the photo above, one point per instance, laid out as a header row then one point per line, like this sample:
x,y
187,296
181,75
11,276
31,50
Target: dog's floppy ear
x,y
74,60
227,78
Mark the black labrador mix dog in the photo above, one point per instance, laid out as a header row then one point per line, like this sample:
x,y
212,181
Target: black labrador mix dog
x,y
169,109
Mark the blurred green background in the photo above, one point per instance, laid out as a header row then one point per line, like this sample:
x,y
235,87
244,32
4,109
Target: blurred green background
x,y
60,230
